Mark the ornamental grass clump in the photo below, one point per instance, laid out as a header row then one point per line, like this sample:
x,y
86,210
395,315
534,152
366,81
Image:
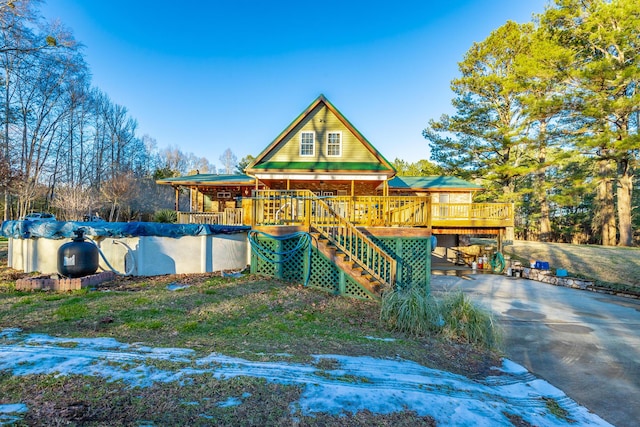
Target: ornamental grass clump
x,y
417,312
465,321
412,310
167,216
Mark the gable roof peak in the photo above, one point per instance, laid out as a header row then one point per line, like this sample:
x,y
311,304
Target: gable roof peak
x,y
321,99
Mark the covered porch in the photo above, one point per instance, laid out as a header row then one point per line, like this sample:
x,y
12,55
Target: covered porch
x,y
212,199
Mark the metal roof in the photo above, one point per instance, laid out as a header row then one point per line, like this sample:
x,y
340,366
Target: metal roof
x,y
431,183
209,179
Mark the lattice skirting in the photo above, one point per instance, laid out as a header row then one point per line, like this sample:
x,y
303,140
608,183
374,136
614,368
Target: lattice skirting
x,y
412,254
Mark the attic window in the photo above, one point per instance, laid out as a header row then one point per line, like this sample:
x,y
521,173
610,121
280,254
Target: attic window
x,y
334,144
307,143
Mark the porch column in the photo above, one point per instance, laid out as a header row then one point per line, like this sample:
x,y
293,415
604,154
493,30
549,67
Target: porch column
x,y
353,188
177,192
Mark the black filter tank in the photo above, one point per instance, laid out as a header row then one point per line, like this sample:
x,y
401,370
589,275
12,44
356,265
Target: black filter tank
x,y
78,258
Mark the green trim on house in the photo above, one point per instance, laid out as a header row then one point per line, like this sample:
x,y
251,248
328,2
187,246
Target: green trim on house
x,y
320,166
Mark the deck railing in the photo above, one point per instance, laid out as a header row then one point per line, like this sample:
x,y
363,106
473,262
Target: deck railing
x,y
387,211
289,207
230,216
295,207
273,207
472,215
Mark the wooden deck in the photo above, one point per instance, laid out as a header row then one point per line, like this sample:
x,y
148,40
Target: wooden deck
x,y
297,208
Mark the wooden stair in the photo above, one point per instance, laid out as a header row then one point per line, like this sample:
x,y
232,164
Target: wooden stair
x,y
338,239
349,266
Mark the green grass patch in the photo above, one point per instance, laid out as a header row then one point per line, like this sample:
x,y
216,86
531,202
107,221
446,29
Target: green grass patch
x,y
74,309
557,410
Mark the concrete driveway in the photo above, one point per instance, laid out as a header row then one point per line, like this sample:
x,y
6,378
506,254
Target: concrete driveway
x,y
586,344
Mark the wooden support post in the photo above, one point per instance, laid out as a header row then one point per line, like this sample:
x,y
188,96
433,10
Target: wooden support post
x,y
177,190
399,280
427,265
279,273
307,213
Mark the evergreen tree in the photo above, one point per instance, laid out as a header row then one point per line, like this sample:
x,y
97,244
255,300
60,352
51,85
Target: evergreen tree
x,y
604,99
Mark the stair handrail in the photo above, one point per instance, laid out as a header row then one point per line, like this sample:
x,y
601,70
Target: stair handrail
x,y
367,254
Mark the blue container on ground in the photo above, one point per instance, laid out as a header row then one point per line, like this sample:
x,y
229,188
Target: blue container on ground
x,y
542,265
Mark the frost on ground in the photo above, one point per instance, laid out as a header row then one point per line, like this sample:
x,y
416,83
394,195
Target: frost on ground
x,y
351,384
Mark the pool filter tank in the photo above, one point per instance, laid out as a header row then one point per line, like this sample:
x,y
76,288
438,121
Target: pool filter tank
x,y
78,258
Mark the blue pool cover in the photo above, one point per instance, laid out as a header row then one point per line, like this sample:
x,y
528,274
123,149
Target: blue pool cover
x,y
65,229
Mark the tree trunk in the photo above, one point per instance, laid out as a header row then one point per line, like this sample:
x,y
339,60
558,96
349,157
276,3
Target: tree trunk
x,y
625,196
545,222
604,215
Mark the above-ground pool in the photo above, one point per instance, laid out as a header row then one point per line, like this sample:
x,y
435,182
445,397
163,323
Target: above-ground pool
x,y
136,248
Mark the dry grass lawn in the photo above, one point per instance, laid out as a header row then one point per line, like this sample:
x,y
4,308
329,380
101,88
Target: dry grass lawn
x,y
609,266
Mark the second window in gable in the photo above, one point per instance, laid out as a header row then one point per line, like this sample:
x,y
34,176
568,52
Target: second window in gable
x,y
334,144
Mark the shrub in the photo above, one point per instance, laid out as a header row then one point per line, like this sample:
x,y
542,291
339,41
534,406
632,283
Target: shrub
x,y
166,216
417,312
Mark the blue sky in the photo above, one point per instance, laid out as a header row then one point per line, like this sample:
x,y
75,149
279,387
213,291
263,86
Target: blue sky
x,y
205,76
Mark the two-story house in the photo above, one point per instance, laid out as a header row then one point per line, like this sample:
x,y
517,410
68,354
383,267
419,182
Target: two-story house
x,y
321,175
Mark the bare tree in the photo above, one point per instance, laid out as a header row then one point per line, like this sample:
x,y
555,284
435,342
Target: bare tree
x,y
73,203
229,161
118,192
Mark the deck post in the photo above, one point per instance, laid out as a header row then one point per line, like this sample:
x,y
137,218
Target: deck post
x,y
307,213
342,282
427,283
